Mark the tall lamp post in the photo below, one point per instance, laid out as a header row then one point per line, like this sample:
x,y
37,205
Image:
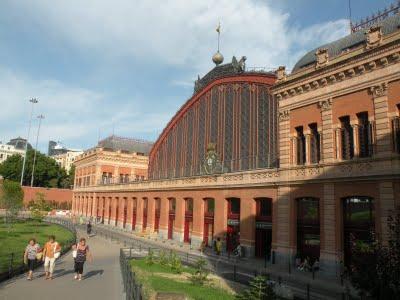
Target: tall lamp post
x,y
40,117
33,101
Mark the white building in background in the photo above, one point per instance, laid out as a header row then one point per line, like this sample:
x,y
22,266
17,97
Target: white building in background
x,y
65,160
8,150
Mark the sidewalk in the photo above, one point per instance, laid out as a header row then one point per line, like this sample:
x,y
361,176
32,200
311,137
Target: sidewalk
x,y
320,287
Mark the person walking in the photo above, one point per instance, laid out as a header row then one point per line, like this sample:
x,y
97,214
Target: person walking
x,y
89,228
51,252
218,246
32,252
80,253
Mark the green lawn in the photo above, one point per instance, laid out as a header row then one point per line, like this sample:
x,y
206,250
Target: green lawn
x,y
152,279
16,240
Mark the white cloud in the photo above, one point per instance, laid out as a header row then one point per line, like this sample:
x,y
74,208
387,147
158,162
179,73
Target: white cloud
x,y
179,32
71,113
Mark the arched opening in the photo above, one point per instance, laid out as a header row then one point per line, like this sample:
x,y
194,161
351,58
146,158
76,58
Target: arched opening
x,y
144,224
208,232
358,223
233,226
187,233
125,211
116,210
171,217
263,227
157,209
308,229
134,209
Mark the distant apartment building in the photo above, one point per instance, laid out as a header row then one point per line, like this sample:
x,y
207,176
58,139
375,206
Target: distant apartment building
x,y
66,160
56,148
7,150
114,160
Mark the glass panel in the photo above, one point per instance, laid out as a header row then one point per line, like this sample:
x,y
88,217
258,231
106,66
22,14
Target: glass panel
x,y
234,205
210,205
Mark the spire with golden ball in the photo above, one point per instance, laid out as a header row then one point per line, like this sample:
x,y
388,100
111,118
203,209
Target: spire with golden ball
x,y
218,58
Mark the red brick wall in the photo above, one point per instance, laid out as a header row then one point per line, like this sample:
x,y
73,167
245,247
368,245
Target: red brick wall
x,y
51,194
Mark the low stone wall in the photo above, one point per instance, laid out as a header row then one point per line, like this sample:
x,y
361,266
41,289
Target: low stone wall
x,y
60,197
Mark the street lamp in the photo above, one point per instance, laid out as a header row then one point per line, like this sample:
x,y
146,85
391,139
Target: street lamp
x,y
33,101
40,117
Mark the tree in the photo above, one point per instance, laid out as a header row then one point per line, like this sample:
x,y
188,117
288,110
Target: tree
x,y
199,277
259,289
48,173
375,267
11,199
39,207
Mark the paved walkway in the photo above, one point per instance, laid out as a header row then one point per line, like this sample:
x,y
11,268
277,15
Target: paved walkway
x,y
102,278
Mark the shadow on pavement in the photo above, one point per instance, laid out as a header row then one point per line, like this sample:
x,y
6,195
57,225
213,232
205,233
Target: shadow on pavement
x,y
93,273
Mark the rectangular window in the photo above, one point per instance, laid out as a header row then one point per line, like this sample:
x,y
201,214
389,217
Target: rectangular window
x,y
365,135
347,138
315,144
396,134
301,146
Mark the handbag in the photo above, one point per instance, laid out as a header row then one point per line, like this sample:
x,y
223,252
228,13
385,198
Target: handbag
x,y
39,256
56,254
75,252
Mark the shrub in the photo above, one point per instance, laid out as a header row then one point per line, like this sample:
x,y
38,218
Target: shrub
x,y
150,258
175,263
163,258
199,277
259,290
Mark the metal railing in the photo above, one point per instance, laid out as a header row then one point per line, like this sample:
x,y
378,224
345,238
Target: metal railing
x,y
13,262
132,288
230,269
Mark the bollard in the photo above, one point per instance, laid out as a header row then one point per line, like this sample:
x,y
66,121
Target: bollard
x,y
313,274
308,291
234,272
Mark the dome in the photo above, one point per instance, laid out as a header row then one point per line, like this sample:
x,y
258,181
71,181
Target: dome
x,y
389,25
218,58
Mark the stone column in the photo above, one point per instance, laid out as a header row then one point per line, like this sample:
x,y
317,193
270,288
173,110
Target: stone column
x,y
139,215
179,219
151,214
327,137
114,209
220,218
95,205
329,258
248,225
284,139
386,205
294,151
107,211
339,150
164,216
129,212
198,222
284,253
382,121
308,147
121,212
356,139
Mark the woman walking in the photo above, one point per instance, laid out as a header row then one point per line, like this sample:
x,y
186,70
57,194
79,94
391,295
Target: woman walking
x,y
50,253
32,252
82,251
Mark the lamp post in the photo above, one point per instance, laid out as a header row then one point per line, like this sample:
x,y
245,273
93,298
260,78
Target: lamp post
x,y
33,101
40,117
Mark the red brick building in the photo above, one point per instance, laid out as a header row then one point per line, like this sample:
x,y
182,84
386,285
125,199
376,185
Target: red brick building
x,y
289,165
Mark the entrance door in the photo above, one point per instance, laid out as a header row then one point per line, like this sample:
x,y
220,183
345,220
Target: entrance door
x,y
170,228
187,231
263,242
134,219
156,222
208,233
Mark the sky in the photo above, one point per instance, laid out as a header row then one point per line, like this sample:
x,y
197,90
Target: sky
x,y
100,67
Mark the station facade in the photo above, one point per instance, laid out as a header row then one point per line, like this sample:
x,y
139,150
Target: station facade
x,y
288,165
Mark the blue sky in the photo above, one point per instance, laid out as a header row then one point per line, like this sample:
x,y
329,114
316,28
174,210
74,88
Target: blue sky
x,y
126,66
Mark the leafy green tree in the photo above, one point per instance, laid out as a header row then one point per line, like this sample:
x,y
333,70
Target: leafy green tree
x,y
259,290
11,199
47,171
39,207
375,267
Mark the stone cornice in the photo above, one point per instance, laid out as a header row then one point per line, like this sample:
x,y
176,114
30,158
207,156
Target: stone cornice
x,y
367,62
362,169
